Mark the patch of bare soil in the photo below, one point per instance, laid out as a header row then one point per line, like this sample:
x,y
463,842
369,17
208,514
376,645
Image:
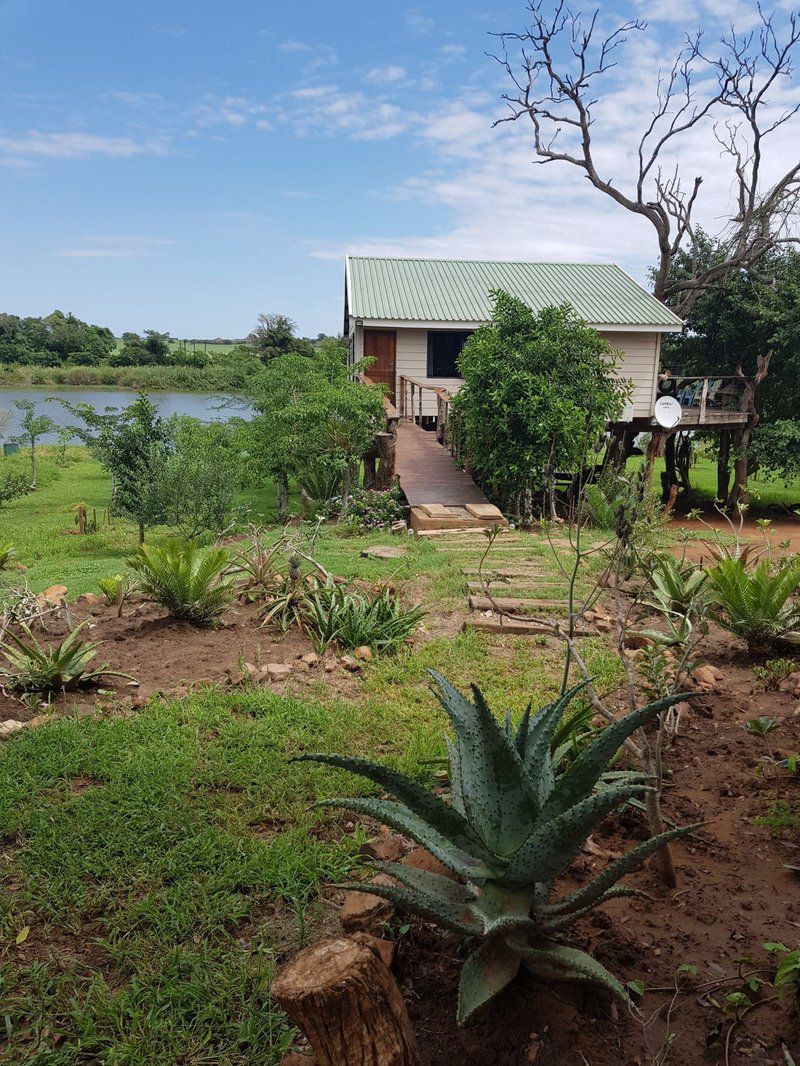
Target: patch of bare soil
x,y
734,894
167,656
782,528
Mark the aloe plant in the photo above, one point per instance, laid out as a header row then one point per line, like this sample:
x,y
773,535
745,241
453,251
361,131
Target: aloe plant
x,y
676,587
512,829
33,667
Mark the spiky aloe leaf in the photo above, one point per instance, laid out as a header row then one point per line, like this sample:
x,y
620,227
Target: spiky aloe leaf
x,y
486,972
499,798
559,962
505,909
539,735
451,915
424,804
585,771
591,893
455,775
563,921
409,824
554,844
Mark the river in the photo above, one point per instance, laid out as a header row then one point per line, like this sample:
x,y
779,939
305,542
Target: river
x,y
207,406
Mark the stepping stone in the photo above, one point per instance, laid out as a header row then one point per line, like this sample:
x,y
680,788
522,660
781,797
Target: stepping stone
x,y
508,603
384,551
497,624
507,586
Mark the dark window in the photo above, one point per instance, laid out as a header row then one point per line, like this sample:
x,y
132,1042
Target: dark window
x,y
444,348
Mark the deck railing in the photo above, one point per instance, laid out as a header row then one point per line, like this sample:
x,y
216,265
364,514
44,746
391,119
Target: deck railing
x,y
707,398
411,395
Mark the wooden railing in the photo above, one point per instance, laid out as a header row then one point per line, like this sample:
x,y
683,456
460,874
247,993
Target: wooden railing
x,y
411,393
709,397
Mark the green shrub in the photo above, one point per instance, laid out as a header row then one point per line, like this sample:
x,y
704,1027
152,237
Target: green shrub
x,y
32,667
367,510
111,588
770,675
755,604
192,583
352,620
511,831
12,486
6,555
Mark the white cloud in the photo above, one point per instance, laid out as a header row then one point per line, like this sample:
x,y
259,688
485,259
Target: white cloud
x,y
417,22
295,46
386,75
232,111
452,51
324,110
38,145
114,247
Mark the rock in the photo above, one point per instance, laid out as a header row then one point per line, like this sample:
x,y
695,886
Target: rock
x,y
705,676
330,665
351,664
251,671
20,566
310,658
364,653
385,849
91,600
791,683
9,727
384,551
132,684
52,597
384,949
604,625
362,912
279,671
421,859
638,640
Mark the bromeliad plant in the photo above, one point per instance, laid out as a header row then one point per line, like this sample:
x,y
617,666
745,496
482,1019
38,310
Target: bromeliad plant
x,y
513,828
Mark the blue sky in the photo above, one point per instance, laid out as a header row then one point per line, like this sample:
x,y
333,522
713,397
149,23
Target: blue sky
x,y
184,166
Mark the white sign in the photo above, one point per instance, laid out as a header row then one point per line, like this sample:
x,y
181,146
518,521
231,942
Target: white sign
x,y
667,412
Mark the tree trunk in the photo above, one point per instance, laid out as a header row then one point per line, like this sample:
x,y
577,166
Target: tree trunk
x,y
369,470
283,498
738,493
670,475
348,1005
724,465
387,443
141,532
33,466
655,448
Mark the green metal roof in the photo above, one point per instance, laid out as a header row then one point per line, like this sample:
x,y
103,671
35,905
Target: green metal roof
x,y
457,290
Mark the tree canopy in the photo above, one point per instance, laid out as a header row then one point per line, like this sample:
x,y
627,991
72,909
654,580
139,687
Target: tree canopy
x,y
537,390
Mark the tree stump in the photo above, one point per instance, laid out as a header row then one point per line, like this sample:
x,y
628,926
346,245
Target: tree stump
x,y
348,1005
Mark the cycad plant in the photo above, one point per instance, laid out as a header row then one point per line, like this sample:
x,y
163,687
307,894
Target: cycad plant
x,y
193,583
511,831
755,604
34,667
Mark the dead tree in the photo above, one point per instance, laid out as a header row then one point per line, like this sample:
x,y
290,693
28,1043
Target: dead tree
x,y
559,62
348,1005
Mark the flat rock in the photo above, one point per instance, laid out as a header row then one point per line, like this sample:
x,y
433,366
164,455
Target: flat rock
x,y
279,671
385,849
350,663
364,653
53,595
363,912
91,600
10,727
421,859
384,551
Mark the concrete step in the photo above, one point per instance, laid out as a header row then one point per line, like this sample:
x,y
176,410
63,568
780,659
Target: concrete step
x,y
516,606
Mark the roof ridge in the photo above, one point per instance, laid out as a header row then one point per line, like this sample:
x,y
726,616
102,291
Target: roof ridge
x,y
498,262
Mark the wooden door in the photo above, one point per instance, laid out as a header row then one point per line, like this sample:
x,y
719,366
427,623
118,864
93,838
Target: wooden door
x,y
380,345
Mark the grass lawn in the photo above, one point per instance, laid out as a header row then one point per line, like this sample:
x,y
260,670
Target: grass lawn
x,y
41,525
763,492
158,865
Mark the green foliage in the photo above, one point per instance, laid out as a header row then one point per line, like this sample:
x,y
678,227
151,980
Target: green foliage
x,y
755,604
511,831
274,336
775,449
537,389
134,448
192,583
33,427
58,338
33,667
770,675
6,555
760,727
111,588
367,510
351,620
12,486
677,587
200,478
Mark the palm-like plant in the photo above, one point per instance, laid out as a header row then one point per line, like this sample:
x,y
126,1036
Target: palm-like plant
x,y
755,604
32,667
193,583
676,587
511,830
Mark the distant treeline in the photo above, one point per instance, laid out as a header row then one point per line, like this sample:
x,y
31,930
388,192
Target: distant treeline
x,y
60,349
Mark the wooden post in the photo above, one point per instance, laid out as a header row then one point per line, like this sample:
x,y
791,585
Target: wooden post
x,y
420,406
703,398
386,443
369,470
723,465
402,396
658,439
348,1005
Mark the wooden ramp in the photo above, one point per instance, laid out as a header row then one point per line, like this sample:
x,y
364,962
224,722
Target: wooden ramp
x,y
439,494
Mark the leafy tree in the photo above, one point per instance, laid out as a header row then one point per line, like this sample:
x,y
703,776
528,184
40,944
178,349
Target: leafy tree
x,y
536,389
12,485
312,416
201,477
33,427
275,336
135,451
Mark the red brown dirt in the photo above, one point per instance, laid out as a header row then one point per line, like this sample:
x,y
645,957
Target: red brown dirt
x,y
781,528
734,894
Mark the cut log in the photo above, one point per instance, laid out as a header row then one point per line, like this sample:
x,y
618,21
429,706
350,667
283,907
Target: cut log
x,y
386,444
515,606
348,1005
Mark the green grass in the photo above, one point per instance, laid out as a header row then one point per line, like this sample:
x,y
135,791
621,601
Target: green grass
x,y
164,863
41,525
764,492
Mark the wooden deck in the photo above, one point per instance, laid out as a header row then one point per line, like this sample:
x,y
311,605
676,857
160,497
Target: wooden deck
x,y
439,494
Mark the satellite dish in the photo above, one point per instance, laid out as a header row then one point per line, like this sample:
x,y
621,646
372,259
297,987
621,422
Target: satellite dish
x,y
667,412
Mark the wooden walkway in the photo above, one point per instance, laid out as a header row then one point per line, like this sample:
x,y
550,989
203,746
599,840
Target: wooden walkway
x,y
427,472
